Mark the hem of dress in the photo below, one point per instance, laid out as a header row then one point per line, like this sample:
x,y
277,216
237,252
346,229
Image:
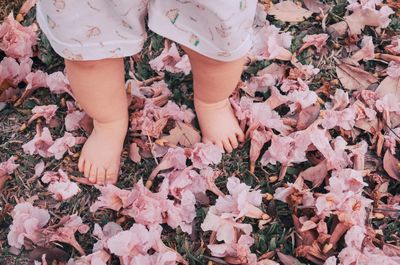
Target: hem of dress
x,y
163,26
91,51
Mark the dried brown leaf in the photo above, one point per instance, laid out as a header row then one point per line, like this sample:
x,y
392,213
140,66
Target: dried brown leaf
x,y
288,11
184,134
391,165
353,78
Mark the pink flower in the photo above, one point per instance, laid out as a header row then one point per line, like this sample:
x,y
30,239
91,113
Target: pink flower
x,y
39,144
239,249
73,117
339,101
8,166
316,40
356,252
263,114
35,80
27,222
58,83
47,112
166,258
287,149
293,85
14,72
224,225
270,44
343,118
171,61
61,145
137,240
146,207
63,190
393,69
96,258
282,193
182,214
241,201
394,46
65,230
16,40
111,198
109,230
204,155
60,185
366,52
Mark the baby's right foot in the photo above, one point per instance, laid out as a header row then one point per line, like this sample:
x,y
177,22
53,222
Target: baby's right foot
x,y
100,156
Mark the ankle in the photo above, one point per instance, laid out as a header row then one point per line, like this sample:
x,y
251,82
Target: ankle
x,y
211,104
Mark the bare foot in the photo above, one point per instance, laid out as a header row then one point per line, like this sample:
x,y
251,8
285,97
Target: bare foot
x,y
100,156
218,124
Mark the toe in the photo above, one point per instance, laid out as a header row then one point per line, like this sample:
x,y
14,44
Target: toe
x,y
87,168
93,174
81,164
227,145
111,175
234,142
100,178
240,136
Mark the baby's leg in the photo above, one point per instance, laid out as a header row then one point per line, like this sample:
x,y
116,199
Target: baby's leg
x,y
214,81
99,88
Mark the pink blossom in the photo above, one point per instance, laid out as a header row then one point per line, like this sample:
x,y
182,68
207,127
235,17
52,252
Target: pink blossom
x,y
111,198
96,258
186,180
39,144
239,249
63,190
224,225
393,69
263,114
16,40
61,145
27,222
336,158
60,185
52,176
394,46
47,112
366,52
316,40
358,253
138,240
166,258
343,118
204,155
14,72
293,85
171,61
282,193
386,105
240,201
109,230
35,80
182,214
58,83
301,99
339,101
146,207
287,149
270,43
8,166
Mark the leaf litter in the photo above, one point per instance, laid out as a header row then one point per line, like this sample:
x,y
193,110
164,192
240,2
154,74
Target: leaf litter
x,y
320,106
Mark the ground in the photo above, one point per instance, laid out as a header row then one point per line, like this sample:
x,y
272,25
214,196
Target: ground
x,y
278,234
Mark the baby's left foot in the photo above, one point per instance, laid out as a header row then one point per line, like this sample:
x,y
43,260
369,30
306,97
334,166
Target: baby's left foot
x,y
218,124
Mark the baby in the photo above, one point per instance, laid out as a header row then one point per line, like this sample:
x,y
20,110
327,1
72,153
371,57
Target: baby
x,y
94,35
